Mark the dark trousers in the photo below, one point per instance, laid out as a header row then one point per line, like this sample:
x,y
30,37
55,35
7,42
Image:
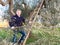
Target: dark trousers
x,y
22,37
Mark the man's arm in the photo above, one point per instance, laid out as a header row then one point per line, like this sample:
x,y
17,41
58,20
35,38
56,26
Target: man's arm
x,y
12,22
23,20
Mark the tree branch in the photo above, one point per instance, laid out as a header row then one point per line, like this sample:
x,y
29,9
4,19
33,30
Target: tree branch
x,y
10,2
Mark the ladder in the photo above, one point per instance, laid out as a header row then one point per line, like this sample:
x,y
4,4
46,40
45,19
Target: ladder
x,y
35,13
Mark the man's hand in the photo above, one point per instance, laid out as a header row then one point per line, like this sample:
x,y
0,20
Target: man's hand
x,y
30,22
13,27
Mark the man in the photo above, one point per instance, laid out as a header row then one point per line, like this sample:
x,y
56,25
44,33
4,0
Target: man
x,y
17,21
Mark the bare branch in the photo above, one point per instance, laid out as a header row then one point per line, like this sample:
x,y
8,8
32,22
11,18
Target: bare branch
x,y
10,2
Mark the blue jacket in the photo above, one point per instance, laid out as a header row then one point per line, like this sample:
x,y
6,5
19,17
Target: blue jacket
x,y
16,21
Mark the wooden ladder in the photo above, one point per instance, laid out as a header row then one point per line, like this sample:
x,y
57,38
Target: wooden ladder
x,y
35,13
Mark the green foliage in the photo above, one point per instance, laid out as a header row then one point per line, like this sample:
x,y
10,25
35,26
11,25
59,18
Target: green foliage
x,y
47,36
5,33
31,39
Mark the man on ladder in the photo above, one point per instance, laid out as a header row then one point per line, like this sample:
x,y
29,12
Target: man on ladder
x,y
17,21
